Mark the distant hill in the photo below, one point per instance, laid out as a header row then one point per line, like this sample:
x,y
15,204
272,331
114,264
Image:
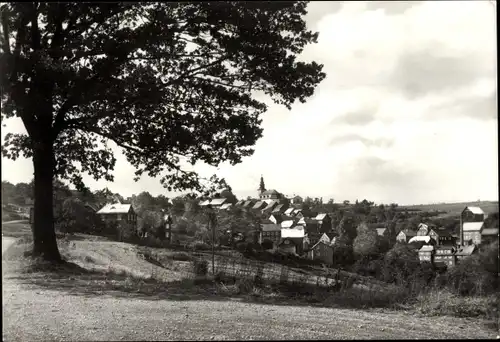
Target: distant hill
x,y
454,209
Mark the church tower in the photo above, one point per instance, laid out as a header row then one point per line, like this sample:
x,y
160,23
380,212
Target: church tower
x,y
262,186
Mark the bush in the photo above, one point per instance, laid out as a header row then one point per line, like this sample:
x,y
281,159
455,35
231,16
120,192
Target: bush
x,y
472,277
200,267
181,256
244,285
199,246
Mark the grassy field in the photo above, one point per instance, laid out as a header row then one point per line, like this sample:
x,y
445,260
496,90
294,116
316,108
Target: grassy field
x,y
454,209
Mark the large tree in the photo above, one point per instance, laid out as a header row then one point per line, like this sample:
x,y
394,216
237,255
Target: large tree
x,y
167,82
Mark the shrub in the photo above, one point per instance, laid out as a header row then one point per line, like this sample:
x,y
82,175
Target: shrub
x,y
181,256
199,246
200,267
475,275
244,285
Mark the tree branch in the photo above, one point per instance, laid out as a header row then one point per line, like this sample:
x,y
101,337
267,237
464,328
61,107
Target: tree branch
x,y
6,32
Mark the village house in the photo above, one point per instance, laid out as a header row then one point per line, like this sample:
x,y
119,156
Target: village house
x,y
118,213
489,235
295,199
471,225
271,204
259,205
465,251
226,206
424,239
270,232
405,235
325,222
422,229
270,194
321,251
445,238
296,236
380,231
310,225
215,203
248,203
291,245
425,253
445,255
471,232
313,238
289,211
288,223
280,208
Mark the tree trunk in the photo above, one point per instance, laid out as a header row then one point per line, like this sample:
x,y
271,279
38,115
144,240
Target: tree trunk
x,y
44,236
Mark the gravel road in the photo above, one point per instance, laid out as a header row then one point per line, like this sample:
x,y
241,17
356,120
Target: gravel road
x,y
31,313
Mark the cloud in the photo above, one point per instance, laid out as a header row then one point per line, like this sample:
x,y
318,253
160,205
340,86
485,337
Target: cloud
x,y
360,116
392,7
418,73
406,114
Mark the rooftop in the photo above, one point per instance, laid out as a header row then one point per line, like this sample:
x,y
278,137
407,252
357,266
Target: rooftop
x,y
116,208
472,226
475,210
490,231
466,250
425,239
320,216
426,248
270,227
297,232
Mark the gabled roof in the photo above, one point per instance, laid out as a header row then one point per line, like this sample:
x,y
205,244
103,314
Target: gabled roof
x,y
466,250
259,205
240,202
270,227
226,206
472,226
279,208
278,217
320,242
247,203
425,239
117,208
296,232
490,231
321,216
426,248
475,210
289,211
218,201
380,231
287,224
408,232
205,202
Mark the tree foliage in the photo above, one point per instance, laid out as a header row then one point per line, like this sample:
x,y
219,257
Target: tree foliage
x,y
169,83
366,243
164,81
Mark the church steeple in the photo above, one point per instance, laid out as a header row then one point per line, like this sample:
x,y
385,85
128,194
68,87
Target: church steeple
x,y
262,186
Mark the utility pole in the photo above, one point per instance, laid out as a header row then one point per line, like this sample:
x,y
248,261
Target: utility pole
x,y
211,225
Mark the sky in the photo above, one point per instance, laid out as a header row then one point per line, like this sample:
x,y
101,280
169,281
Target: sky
x,y
407,113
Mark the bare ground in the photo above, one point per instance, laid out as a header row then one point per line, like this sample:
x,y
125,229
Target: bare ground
x,y
98,305
32,313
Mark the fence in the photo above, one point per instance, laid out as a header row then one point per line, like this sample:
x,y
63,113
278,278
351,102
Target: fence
x,y
227,265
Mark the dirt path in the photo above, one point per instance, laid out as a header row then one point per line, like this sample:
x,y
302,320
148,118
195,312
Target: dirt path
x,y
32,313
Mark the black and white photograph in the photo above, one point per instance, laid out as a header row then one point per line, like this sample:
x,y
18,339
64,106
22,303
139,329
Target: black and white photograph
x,y
249,170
